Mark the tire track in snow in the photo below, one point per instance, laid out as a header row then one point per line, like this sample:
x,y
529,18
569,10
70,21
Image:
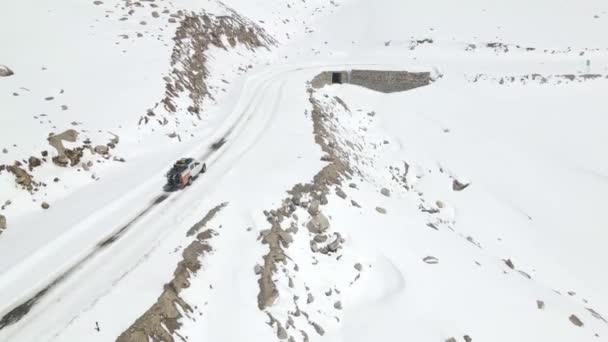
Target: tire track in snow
x,y
18,312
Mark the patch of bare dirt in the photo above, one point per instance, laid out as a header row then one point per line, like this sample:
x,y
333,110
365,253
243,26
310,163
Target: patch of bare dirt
x,y
162,319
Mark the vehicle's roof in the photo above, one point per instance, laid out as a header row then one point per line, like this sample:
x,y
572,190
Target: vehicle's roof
x,y
184,161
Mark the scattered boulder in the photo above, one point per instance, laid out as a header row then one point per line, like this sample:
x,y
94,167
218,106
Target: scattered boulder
x,y
4,150
33,162
5,71
451,339
2,223
73,155
318,224
6,204
281,333
310,298
386,192
258,269
340,193
313,208
576,321
540,304
45,205
467,338
458,186
101,149
358,267
320,238
381,210
333,246
355,204
509,263
318,328
338,305
431,260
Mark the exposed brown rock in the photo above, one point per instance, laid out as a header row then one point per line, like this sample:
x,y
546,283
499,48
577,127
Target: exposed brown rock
x,y
21,176
33,162
56,140
276,238
162,319
194,36
45,205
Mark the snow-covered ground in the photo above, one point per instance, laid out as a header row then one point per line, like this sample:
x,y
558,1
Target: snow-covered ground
x,y
379,241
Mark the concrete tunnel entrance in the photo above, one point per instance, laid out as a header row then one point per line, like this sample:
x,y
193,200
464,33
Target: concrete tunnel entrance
x,y
385,81
336,78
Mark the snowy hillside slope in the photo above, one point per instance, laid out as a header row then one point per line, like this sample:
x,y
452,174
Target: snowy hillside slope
x,y
470,209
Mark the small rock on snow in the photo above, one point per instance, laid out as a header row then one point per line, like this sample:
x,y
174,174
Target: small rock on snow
x,y
281,333
5,71
431,260
540,304
381,210
576,321
458,186
257,269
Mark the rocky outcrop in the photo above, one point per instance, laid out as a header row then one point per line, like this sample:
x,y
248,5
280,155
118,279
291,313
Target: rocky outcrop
x,y
186,85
